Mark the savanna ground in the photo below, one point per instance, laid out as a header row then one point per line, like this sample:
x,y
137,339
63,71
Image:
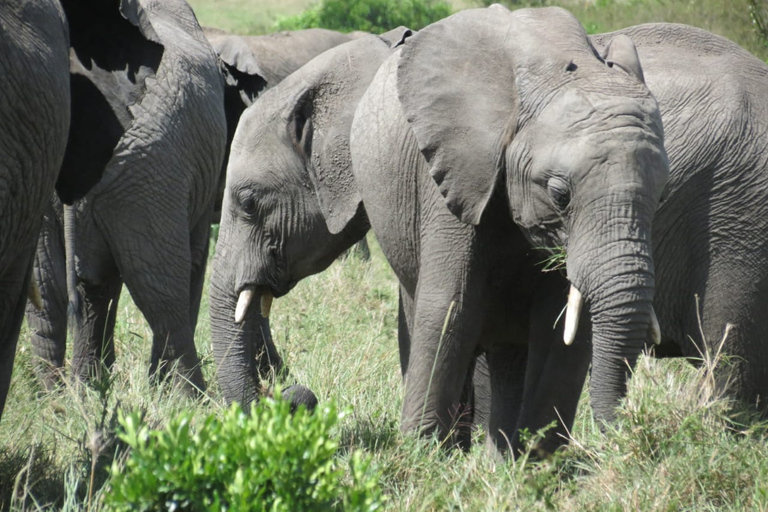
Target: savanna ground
x,y
678,445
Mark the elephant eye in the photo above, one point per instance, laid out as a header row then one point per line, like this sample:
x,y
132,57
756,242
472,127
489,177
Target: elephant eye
x,y
248,204
560,192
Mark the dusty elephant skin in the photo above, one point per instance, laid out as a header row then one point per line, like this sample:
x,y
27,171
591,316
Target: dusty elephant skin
x,y
710,234
290,206
512,112
34,116
141,167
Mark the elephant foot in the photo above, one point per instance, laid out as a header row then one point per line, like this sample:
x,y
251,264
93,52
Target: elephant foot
x,y
49,375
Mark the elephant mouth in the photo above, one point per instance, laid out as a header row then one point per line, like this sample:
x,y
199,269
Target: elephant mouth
x,y
248,291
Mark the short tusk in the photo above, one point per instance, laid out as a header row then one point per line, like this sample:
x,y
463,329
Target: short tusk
x,y
266,304
655,329
572,314
242,304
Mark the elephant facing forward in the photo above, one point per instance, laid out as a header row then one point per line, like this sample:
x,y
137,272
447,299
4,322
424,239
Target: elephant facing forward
x,y
555,131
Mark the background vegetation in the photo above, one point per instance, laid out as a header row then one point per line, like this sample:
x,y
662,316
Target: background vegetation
x,y
678,444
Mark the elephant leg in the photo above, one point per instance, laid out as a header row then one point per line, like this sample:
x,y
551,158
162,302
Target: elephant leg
x,y
153,252
49,323
507,369
404,323
14,284
200,241
446,328
555,372
481,394
93,353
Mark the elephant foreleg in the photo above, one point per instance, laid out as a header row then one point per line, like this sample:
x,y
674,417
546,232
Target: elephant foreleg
x,y
447,325
555,372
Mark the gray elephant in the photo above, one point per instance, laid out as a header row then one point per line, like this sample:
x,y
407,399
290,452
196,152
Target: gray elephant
x,y
491,117
290,163
710,233
34,118
140,171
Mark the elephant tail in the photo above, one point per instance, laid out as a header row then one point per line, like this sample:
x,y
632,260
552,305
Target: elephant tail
x,y
73,307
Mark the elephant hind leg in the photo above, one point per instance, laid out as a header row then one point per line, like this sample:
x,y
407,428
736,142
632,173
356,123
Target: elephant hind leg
x,y
49,324
94,348
506,370
153,251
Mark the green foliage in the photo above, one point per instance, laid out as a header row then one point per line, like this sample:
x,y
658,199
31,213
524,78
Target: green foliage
x,y
268,460
555,259
758,11
375,16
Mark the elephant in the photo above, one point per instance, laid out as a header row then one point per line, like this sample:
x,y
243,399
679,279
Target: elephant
x,y
289,163
465,287
487,135
34,120
137,184
710,233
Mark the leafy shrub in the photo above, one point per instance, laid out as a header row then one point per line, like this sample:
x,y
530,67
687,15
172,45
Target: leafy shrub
x,y
375,16
268,460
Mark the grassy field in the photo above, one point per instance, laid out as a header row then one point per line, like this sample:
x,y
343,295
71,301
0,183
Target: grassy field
x,y
677,445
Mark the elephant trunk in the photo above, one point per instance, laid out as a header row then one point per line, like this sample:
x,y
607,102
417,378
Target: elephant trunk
x,y
616,276
243,350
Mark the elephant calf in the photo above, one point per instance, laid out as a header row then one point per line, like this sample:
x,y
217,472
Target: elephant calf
x,y
286,211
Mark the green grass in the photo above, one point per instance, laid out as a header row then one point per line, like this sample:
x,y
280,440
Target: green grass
x,y
677,444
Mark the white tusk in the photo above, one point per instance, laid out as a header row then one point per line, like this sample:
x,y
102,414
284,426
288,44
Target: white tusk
x,y
572,314
655,329
266,303
242,304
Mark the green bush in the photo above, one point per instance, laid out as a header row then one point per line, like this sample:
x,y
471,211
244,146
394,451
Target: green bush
x,y
375,16
268,460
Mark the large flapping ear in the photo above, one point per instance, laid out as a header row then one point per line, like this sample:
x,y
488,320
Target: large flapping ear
x,y
456,84
323,118
239,65
621,53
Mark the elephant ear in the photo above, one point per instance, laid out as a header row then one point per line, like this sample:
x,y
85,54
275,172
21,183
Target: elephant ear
x,y
621,53
458,94
239,66
321,122
396,37
114,49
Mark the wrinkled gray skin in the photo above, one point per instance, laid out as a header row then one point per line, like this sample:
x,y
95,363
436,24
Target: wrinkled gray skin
x,y
710,234
488,113
254,62
290,206
141,166
34,117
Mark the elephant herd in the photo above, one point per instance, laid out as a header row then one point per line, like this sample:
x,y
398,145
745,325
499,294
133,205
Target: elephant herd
x,y
466,148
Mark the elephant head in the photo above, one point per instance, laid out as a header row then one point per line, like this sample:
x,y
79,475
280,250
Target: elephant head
x,y
290,206
523,103
243,79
